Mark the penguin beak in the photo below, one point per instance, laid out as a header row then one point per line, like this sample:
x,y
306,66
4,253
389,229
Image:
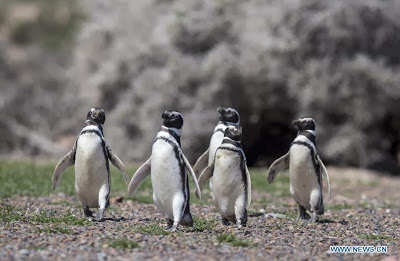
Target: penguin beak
x,y
296,122
239,130
221,110
164,115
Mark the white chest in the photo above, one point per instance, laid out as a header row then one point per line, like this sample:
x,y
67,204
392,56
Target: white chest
x,y
227,177
167,172
89,149
91,171
303,176
165,168
215,142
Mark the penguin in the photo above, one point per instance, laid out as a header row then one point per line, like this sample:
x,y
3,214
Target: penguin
x,y
167,167
227,116
230,178
305,170
90,155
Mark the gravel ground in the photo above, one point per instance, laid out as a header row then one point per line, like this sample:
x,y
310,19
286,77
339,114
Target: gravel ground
x,y
364,210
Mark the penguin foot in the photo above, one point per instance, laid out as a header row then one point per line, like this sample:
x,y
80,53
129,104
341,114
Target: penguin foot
x,y
306,216
303,214
314,217
87,212
240,224
320,210
173,228
225,222
170,222
187,220
100,215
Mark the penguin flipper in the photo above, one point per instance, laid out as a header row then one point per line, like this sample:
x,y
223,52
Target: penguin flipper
x,y
139,176
248,185
66,162
194,178
325,174
201,164
277,166
118,164
206,175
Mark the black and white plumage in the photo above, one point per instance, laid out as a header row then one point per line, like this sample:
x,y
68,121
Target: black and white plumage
x,y
167,167
230,178
90,155
305,170
227,116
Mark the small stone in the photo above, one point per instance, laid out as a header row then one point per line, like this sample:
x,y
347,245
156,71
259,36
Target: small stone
x,y
274,215
116,200
101,256
389,258
24,252
225,249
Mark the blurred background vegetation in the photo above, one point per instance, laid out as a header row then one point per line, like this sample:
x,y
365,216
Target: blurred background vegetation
x,y
46,24
274,61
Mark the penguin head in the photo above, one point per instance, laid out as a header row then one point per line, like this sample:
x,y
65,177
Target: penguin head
x,y
229,115
96,115
304,123
233,132
172,119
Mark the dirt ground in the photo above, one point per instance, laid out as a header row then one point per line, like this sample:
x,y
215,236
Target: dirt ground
x,y
364,211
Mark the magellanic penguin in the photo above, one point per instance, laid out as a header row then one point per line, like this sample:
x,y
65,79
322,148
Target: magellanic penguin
x,y
305,170
227,116
230,178
90,155
167,166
